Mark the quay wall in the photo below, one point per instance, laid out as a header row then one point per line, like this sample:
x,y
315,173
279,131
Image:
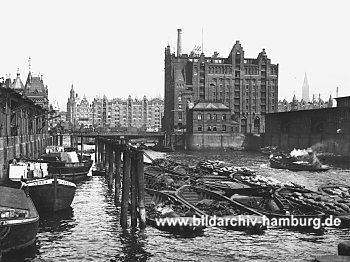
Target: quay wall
x,y
324,130
237,141
27,146
338,144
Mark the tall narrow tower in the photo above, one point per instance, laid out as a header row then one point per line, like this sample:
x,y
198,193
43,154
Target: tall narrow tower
x,y
305,90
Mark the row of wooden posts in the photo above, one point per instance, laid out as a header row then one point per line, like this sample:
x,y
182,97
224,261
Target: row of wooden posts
x,y
108,155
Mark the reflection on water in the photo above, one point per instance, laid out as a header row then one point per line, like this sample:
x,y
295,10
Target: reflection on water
x,y
90,231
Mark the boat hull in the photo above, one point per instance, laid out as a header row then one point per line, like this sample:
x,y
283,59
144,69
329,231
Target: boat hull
x,y
156,197
17,232
51,195
19,236
71,173
191,195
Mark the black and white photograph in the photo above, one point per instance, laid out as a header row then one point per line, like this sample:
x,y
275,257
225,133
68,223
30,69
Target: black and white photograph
x,y
174,131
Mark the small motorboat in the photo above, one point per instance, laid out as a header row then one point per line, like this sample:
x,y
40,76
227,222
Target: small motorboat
x,y
160,205
293,164
210,204
19,219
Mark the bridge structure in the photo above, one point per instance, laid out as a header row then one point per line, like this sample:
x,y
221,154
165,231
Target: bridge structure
x,y
76,137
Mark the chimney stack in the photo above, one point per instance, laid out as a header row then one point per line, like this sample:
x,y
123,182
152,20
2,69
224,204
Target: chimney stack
x,y
179,43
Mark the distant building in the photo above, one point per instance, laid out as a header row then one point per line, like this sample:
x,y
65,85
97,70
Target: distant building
x,y
34,89
54,116
294,105
116,112
247,86
79,111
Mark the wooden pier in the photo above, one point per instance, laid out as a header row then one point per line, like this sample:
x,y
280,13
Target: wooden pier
x,y
130,175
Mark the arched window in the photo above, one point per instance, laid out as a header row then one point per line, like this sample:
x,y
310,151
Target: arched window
x,y
208,116
199,116
214,128
209,128
199,128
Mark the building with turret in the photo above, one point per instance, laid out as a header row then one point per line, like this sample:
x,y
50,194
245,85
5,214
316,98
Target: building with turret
x,y
247,86
34,89
79,111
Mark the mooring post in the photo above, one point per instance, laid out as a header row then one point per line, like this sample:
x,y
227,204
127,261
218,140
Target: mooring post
x,y
126,188
96,151
117,156
133,189
103,147
99,157
141,189
110,165
106,161
81,147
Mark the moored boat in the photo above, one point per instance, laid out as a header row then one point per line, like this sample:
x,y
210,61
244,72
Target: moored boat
x,y
335,206
66,165
51,194
279,211
48,193
19,219
158,179
162,205
212,205
336,190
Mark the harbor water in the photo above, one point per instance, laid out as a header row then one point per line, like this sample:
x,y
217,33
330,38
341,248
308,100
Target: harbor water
x,y
90,231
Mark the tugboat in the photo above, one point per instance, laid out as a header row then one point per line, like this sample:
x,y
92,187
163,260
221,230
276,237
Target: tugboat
x,y
306,162
48,193
19,219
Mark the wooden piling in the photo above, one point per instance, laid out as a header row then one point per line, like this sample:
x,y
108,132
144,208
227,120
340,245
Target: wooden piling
x,y
110,166
117,155
126,189
103,160
81,147
96,151
141,189
106,160
133,211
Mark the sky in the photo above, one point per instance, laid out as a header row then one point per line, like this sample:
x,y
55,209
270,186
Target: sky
x,y
116,48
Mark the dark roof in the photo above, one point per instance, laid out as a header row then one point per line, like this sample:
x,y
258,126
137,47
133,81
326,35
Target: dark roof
x,y
34,83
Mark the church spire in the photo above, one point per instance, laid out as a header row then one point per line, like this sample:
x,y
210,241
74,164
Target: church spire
x,y
305,90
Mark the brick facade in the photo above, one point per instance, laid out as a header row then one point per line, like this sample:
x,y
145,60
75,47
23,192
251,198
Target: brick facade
x,y
247,86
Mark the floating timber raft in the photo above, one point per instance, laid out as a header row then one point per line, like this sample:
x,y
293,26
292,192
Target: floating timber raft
x,y
108,154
